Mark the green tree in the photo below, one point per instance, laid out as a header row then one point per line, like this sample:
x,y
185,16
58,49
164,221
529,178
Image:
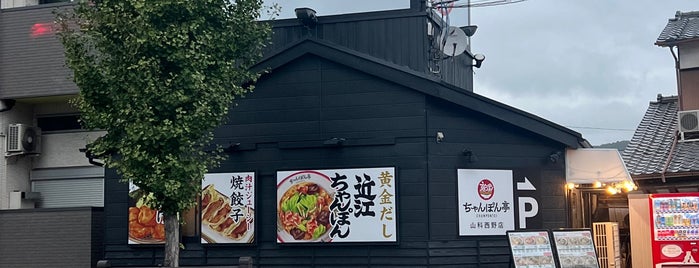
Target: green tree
x,y
159,77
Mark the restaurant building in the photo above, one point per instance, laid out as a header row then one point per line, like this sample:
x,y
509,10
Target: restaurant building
x,y
363,144
424,171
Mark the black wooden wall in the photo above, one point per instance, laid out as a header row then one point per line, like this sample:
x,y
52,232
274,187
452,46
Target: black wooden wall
x,y
33,64
282,126
399,37
493,145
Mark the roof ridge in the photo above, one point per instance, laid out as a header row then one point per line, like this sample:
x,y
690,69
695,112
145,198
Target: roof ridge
x,y
665,99
680,14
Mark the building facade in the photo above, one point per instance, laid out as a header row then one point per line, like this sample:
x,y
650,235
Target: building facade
x,y
349,93
662,155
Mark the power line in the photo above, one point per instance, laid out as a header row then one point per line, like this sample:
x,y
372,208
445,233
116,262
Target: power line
x,y
601,128
472,3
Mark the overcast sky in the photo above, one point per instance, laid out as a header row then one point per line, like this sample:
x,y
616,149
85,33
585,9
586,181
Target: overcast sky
x,y
590,65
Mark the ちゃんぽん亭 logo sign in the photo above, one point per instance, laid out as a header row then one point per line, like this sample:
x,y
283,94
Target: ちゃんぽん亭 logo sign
x,y
486,189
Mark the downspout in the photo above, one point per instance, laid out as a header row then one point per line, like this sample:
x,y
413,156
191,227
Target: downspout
x,y
679,100
669,157
677,75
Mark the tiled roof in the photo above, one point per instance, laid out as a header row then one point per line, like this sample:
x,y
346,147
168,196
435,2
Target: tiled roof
x,y
648,151
683,26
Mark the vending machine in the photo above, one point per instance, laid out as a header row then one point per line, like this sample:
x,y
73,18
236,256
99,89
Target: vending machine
x,y
675,229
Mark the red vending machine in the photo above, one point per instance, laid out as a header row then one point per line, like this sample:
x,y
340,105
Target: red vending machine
x,y
675,230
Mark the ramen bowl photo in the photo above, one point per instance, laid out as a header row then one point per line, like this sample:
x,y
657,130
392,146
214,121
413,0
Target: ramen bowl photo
x,y
303,208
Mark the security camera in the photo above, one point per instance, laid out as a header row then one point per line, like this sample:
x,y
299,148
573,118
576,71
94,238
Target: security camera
x,y
440,136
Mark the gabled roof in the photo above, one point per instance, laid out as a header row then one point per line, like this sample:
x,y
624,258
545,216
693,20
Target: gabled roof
x,y
647,154
421,82
683,27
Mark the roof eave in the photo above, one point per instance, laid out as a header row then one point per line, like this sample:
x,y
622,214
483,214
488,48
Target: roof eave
x,y
675,42
668,175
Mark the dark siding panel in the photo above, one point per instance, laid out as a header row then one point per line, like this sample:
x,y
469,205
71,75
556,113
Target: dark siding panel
x,y
282,126
31,65
50,237
396,39
496,146
285,125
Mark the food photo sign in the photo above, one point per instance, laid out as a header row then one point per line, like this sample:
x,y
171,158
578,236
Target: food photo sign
x,y
575,249
228,208
146,224
485,202
531,249
337,205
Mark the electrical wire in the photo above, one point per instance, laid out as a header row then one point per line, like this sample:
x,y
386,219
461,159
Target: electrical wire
x,y
473,3
601,128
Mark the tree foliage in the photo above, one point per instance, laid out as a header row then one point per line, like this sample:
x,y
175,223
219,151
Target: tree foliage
x,y
159,77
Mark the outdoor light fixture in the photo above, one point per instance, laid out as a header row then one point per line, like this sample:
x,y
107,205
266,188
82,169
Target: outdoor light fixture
x,y
555,157
307,16
479,58
469,30
469,155
232,147
6,104
103,264
334,142
597,184
622,186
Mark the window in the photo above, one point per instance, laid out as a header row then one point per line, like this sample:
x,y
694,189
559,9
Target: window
x,y
41,2
69,187
59,123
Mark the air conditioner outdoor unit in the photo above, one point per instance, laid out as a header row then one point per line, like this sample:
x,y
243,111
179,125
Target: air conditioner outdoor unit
x,y
23,139
688,124
607,243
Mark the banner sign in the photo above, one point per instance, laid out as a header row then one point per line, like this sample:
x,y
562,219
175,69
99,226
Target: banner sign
x,y
485,202
228,208
338,205
146,225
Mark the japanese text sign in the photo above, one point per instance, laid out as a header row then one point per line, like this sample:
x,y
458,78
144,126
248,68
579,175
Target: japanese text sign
x,y
228,208
485,202
340,205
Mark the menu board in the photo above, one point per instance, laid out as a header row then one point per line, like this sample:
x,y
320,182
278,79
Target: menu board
x,y
228,208
531,249
575,248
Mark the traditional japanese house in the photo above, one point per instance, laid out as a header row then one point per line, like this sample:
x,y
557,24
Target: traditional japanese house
x,y
662,155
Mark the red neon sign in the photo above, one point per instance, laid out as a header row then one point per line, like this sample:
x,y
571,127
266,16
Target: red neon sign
x,y
39,29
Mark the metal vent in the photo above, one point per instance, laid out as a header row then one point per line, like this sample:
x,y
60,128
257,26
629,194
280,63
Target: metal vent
x,y
688,124
13,139
689,121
